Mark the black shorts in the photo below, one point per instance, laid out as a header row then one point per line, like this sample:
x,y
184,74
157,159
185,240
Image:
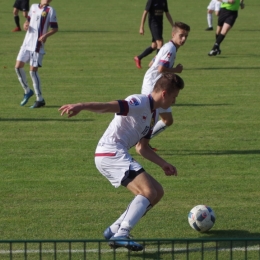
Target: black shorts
x,y
227,16
22,5
130,175
156,31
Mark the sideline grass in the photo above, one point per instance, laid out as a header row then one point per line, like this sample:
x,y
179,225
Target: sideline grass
x,y
49,185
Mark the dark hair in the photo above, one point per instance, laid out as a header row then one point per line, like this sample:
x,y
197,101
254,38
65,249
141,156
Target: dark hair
x,y
181,25
169,82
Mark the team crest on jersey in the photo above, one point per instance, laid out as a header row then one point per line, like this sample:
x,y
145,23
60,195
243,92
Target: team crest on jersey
x,y
134,102
44,14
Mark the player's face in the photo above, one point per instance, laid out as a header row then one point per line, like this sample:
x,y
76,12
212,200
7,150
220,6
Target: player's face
x,y
179,37
169,99
45,2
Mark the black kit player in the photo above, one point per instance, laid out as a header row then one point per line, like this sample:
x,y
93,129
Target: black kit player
x,y
20,5
155,10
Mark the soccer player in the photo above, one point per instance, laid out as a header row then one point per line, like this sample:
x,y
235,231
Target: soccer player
x,y
163,63
155,10
227,16
20,5
214,6
131,126
41,16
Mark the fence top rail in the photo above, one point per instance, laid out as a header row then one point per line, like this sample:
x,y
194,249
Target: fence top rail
x,y
180,240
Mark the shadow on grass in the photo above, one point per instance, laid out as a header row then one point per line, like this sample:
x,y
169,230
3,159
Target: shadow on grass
x,y
225,68
205,152
200,105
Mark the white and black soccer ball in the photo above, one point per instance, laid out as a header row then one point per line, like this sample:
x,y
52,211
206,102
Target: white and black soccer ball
x,y
202,218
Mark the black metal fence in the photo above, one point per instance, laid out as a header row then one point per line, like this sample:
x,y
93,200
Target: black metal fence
x,y
161,249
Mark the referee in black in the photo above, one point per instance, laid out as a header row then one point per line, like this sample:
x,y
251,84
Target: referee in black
x,y
155,10
20,5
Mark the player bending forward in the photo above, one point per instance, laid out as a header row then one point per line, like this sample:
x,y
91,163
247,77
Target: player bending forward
x,y
131,126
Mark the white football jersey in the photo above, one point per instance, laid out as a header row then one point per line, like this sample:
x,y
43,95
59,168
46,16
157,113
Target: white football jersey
x,y
165,57
40,19
135,121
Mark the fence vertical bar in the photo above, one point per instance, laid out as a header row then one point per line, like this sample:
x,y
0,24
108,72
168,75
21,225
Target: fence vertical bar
x,y
25,250
40,250
231,249
10,250
99,251
187,250
85,250
245,249
216,250
202,250
172,250
55,250
70,255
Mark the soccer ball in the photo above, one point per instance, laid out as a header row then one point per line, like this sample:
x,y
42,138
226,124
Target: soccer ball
x,y
201,218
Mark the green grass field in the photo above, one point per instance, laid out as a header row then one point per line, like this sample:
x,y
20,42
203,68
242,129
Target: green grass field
x,y
50,188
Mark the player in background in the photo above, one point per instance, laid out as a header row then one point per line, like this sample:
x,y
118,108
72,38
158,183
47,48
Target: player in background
x,y
155,10
20,5
41,16
131,126
214,6
163,63
227,16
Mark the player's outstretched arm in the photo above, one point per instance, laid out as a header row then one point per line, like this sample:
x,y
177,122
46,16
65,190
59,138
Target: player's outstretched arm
x,y
143,148
177,69
169,17
98,107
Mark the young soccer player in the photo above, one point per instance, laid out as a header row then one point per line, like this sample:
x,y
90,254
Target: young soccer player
x,y
20,5
214,6
163,63
227,16
155,10
131,126
41,16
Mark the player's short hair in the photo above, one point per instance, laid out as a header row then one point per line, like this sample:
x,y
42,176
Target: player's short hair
x,y
180,25
168,82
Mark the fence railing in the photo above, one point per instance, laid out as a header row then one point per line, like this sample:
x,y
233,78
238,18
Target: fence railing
x,y
161,249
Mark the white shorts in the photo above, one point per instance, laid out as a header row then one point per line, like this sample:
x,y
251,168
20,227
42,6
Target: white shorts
x,y
114,162
31,57
214,5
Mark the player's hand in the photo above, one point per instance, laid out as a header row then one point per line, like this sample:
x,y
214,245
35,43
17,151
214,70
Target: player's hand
x,y
242,5
178,68
26,26
169,169
141,31
70,109
42,39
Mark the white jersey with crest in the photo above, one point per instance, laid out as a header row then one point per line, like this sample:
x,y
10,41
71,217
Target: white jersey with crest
x,y
40,19
165,57
134,121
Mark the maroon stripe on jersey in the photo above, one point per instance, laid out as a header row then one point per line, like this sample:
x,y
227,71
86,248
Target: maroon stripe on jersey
x,y
124,108
105,154
54,25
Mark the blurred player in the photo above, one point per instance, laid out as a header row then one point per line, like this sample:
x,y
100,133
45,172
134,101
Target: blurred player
x,y
155,10
214,6
163,63
20,5
40,18
227,16
131,126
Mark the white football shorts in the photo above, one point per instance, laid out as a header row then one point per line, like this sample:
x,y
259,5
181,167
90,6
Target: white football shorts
x,y
114,162
31,57
214,5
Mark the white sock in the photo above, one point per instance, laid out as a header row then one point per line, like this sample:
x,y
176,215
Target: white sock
x,y
159,127
210,19
116,225
135,211
22,78
36,85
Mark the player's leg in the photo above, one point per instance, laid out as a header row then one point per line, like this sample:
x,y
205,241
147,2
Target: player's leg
x,y
16,18
22,58
166,121
35,63
209,20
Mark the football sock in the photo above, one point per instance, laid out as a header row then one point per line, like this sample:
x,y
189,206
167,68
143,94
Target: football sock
x,y
146,52
216,36
220,38
22,78
159,127
17,21
135,211
209,19
36,85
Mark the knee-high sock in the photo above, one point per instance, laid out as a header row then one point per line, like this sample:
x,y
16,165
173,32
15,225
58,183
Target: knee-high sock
x,y
135,211
146,52
159,127
116,225
36,85
17,21
210,19
22,78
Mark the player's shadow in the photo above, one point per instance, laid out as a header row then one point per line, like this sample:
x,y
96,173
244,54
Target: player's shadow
x,y
201,105
225,68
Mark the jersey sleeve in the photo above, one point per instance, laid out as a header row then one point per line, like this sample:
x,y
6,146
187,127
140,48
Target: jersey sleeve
x,y
148,5
132,105
165,56
53,19
166,10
